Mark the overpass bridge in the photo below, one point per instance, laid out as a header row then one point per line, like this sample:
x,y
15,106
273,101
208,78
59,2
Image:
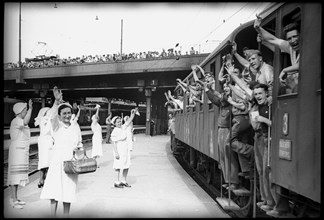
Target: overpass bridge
x,y
139,80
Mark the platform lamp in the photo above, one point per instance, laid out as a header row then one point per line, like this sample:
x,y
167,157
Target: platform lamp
x,y
140,84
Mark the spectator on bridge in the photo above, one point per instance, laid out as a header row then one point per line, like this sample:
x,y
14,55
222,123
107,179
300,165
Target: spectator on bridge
x,y
122,160
18,158
97,134
192,51
45,143
60,186
109,128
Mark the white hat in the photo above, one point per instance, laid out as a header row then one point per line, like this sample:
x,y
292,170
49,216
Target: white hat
x,y
40,115
65,103
19,106
114,119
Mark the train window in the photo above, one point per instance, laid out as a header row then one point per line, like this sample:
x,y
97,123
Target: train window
x,y
289,74
212,68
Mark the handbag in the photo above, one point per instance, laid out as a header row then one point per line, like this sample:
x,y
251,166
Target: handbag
x,y
80,166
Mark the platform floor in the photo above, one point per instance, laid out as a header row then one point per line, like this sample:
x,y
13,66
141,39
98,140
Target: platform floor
x,y
160,189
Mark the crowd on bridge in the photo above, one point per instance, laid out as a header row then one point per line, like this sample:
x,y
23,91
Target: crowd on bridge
x,y
245,117
42,61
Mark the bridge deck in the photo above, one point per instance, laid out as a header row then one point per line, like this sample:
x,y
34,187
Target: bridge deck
x,y
160,188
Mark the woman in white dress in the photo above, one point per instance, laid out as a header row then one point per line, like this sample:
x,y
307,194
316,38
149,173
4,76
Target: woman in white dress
x,y
60,186
97,135
121,149
129,131
45,142
18,158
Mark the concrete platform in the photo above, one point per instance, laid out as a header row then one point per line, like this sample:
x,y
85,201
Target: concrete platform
x,y
160,189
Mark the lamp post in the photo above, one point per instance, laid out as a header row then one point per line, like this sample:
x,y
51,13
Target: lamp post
x,y
19,63
121,38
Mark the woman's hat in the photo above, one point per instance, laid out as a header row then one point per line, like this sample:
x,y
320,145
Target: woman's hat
x,y
19,107
40,115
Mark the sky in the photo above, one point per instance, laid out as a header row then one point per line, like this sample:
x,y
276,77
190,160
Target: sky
x,y
71,30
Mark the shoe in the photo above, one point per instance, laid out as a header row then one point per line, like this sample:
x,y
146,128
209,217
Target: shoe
x,y
40,184
17,204
246,173
17,201
118,185
232,186
266,208
125,184
276,213
225,185
259,204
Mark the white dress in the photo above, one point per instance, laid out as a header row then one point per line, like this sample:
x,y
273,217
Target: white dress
x,y
59,185
119,135
96,139
45,143
18,158
129,135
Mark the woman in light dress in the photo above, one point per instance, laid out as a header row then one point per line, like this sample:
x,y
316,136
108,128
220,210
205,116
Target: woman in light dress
x,y
45,142
60,186
121,149
97,135
129,131
18,158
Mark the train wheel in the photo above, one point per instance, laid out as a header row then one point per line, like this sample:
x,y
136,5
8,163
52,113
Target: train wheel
x,y
210,171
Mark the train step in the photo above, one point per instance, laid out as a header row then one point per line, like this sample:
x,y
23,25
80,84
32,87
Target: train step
x,y
241,191
227,204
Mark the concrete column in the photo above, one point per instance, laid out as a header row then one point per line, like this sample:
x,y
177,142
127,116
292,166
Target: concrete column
x,y
42,94
109,107
148,95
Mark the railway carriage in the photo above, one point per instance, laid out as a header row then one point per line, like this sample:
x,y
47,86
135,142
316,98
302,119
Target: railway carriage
x,y
295,134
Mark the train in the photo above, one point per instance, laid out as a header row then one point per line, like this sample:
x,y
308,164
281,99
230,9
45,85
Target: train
x,y
117,107
295,148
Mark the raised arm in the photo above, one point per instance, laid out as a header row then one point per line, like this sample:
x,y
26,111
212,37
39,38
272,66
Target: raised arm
x,y
236,104
237,92
58,95
239,82
108,119
28,115
193,67
221,77
239,58
265,43
268,37
131,117
184,89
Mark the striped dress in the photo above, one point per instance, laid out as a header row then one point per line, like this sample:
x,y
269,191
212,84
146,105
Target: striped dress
x,y
18,159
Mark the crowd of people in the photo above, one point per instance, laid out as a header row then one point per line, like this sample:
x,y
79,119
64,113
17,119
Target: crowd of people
x,y
59,140
57,61
245,115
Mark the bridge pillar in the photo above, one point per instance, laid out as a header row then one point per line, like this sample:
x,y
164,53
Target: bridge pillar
x,y
148,95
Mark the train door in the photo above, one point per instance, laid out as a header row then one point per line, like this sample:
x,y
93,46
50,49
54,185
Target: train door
x,y
295,156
